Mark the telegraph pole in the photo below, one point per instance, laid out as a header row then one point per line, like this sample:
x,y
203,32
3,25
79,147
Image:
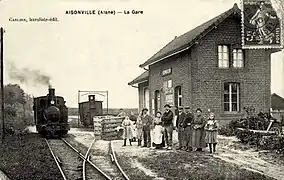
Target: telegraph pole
x,y
78,108
107,102
2,84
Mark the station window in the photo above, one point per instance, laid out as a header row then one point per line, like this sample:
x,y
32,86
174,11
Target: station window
x,y
230,57
231,97
157,103
146,98
238,58
223,56
178,96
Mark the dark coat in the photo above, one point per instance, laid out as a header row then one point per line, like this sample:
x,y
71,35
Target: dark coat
x,y
189,117
198,133
147,121
167,118
180,119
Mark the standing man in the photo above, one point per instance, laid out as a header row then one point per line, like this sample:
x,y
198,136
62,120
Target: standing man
x,y
180,128
121,113
188,129
147,121
167,120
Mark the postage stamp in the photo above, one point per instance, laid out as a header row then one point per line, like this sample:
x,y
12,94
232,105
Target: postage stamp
x,y
261,26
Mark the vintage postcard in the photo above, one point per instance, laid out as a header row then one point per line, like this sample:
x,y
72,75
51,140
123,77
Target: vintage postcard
x,y
142,89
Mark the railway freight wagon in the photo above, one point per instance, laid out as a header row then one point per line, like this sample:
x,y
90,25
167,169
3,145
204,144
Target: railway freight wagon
x,y
51,114
89,109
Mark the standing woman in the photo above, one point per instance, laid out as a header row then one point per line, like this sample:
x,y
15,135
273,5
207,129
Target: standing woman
x,y
198,133
158,131
211,130
127,130
133,119
139,129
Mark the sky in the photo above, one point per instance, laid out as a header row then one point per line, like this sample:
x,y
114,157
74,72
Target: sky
x,y
101,52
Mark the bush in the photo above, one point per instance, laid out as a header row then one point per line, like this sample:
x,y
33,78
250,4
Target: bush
x,y
247,136
226,131
230,129
272,142
262,140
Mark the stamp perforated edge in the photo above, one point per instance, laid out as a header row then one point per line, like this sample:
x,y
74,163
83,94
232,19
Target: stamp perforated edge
x,y
261,46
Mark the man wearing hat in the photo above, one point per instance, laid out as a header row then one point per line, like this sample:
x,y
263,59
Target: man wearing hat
x,y
147,121
179,124
167,120
187,129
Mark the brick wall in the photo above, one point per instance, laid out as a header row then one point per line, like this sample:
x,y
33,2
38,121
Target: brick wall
x,y
180,76
209,80
202,81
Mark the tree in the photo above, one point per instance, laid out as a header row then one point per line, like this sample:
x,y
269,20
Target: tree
x,y
13,94
16,106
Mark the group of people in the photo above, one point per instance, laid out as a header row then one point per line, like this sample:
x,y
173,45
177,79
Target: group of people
x,y
195,131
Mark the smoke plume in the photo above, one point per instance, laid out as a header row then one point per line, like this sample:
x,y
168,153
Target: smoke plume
x,y
28,76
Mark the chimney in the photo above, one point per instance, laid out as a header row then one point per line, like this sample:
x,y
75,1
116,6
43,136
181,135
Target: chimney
x,y
51,91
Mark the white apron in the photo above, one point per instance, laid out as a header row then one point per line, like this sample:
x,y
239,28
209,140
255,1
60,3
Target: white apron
x,y
158,134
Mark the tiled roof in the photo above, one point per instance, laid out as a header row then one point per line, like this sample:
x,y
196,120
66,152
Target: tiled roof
x,y
142,78
188,39
277,102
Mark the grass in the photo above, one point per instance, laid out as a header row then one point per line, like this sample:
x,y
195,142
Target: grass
x,y
27,157
182,165
131,172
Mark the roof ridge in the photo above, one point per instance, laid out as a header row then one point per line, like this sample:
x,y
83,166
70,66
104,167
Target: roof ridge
x,y
206,24
163,47
277,95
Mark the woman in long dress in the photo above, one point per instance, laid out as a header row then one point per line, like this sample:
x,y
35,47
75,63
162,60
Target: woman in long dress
x,y
133,119
198,134
139,129
158,131
127,130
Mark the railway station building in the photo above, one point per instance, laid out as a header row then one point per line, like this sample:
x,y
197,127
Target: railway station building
x,y
207,68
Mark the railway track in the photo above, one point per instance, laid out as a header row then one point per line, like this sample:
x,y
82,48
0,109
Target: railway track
x,y
97,167
107,162
68,162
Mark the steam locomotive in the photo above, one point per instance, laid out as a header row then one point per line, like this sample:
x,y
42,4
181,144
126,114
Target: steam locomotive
x,y
51,114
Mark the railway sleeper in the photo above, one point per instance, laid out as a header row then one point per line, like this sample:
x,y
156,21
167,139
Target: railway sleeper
x,y
79,168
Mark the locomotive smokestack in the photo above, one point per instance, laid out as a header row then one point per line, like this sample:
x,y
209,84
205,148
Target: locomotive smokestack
x,y
51,91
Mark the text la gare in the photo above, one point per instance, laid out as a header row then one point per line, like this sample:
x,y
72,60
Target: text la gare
x,y
133,12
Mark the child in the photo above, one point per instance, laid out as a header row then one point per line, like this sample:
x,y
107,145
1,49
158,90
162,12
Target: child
x,y
211,128
127,130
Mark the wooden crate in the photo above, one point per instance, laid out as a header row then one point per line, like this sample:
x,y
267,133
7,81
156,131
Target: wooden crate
x,y
105,127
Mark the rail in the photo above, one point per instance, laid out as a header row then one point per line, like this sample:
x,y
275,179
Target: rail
x,y
56,160
116,162
87,158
